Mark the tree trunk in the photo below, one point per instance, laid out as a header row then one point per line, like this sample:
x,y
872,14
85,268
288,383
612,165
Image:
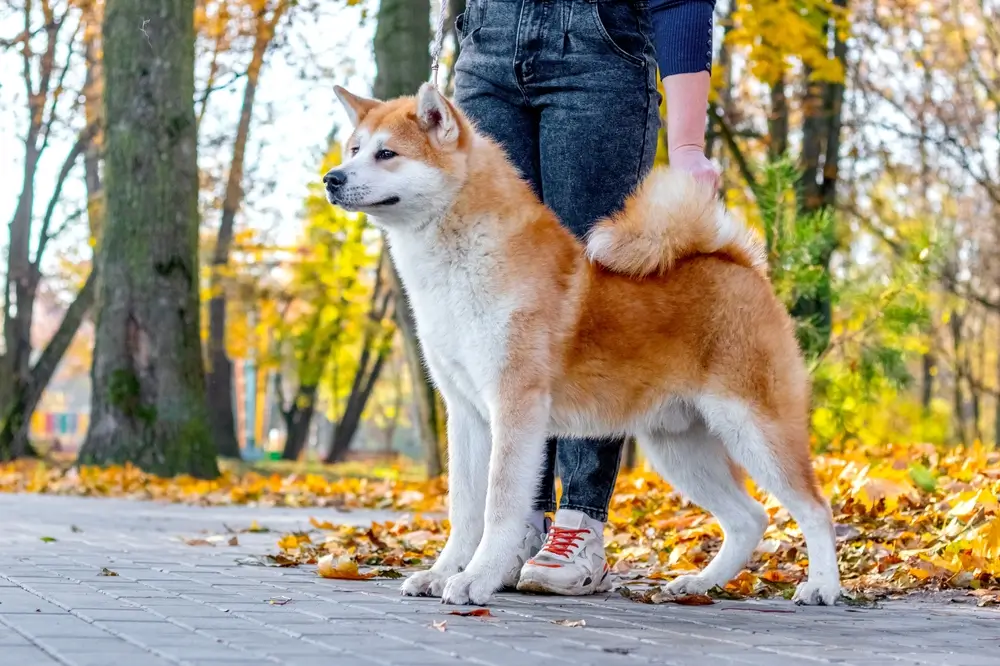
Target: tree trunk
x,y
927,385
403,61
93,92
956,321
630,456
364,383
297,422
19,381
822,109
220,368
19,288
148,396
777,125
14,426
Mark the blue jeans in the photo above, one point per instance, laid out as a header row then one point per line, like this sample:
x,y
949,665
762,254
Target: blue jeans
x,y
568,88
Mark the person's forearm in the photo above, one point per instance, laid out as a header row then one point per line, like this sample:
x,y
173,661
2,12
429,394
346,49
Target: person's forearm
x,y
687,106
682,36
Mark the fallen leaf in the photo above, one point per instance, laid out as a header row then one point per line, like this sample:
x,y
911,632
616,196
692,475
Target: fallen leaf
x,y
256,529
440,626
344,569
278,601
47,539
923,478
325,525
198,542
74,528
281,560
387,573
233,541
683,600
107,572
694,600
479,612
571,623
293,541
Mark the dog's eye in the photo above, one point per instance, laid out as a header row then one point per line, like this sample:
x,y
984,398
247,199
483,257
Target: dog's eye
x,y
384,154
354,150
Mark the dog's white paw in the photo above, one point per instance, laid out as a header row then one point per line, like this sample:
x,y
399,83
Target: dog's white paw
x,y
817,593
470,588
689,584
428,583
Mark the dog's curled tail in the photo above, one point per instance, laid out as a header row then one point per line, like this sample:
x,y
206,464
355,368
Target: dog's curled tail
x,y
672,216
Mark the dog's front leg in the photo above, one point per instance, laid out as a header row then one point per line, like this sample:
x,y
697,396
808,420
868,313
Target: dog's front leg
x,y
518,427
468,460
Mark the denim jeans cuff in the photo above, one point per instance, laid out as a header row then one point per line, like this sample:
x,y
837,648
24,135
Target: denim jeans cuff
x,y
593,512
545,506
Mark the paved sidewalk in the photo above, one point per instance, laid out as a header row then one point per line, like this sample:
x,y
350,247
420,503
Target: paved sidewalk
x,y
173,603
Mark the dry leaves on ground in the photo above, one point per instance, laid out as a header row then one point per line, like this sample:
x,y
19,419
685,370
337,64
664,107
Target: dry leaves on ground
x,y
909,517
250,488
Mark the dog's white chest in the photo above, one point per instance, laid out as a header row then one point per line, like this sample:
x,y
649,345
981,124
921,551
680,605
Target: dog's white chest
x,y
461,320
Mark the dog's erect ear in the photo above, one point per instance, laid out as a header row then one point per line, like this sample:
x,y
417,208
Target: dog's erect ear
x,y
357,107
436,115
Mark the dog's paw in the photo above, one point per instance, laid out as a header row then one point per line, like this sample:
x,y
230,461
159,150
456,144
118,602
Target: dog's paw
x,y
428,583
689,584
470,588
817,593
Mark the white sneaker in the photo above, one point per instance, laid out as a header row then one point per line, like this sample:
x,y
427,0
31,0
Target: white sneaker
x,y
572,561
531,543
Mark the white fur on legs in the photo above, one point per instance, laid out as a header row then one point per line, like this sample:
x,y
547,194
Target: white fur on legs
x,y
468,457
737,427
515,465
696,464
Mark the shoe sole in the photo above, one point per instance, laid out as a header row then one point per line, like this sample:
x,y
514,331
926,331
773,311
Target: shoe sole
x,y
538,587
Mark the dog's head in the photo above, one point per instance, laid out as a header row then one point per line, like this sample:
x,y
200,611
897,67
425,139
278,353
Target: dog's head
x,y
405,160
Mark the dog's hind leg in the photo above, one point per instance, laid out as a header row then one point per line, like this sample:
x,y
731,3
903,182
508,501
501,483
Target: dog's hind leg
x,y
777,458
468,461
696,464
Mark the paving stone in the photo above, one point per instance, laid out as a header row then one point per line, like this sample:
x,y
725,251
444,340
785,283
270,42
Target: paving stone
x,y
182,605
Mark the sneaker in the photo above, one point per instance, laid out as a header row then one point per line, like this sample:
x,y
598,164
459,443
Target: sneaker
x,y
531,543
572,561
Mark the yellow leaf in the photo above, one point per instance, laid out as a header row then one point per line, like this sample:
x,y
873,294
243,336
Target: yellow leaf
x,y
343,568
325,525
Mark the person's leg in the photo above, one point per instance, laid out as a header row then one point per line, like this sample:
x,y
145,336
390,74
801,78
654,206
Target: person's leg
x,y
595,85
487,91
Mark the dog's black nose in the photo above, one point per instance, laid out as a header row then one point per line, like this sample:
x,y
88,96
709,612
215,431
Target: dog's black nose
x,y
334,179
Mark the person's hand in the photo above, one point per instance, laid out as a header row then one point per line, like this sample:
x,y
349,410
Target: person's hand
x,y
692,159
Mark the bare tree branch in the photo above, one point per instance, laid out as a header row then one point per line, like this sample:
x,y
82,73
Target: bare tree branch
x,y
82,141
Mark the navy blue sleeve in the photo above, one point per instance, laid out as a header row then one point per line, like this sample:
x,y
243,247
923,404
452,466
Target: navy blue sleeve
x,y
682,35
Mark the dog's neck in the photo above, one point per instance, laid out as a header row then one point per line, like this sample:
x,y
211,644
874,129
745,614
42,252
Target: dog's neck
x,y
490,198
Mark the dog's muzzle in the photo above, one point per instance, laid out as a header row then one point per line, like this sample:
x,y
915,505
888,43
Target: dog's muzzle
x,y
334,180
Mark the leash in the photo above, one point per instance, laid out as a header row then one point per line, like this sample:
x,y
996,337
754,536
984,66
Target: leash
x,y
438,44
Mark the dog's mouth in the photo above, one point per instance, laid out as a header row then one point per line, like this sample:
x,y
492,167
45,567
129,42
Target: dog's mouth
x,y
348,204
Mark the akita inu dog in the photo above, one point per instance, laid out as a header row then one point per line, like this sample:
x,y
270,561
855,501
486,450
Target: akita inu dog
x,y
663,326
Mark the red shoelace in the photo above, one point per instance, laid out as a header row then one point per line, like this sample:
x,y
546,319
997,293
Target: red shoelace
x,y
561,540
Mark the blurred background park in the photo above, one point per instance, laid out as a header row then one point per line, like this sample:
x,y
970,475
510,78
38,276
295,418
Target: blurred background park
x,y
862,137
